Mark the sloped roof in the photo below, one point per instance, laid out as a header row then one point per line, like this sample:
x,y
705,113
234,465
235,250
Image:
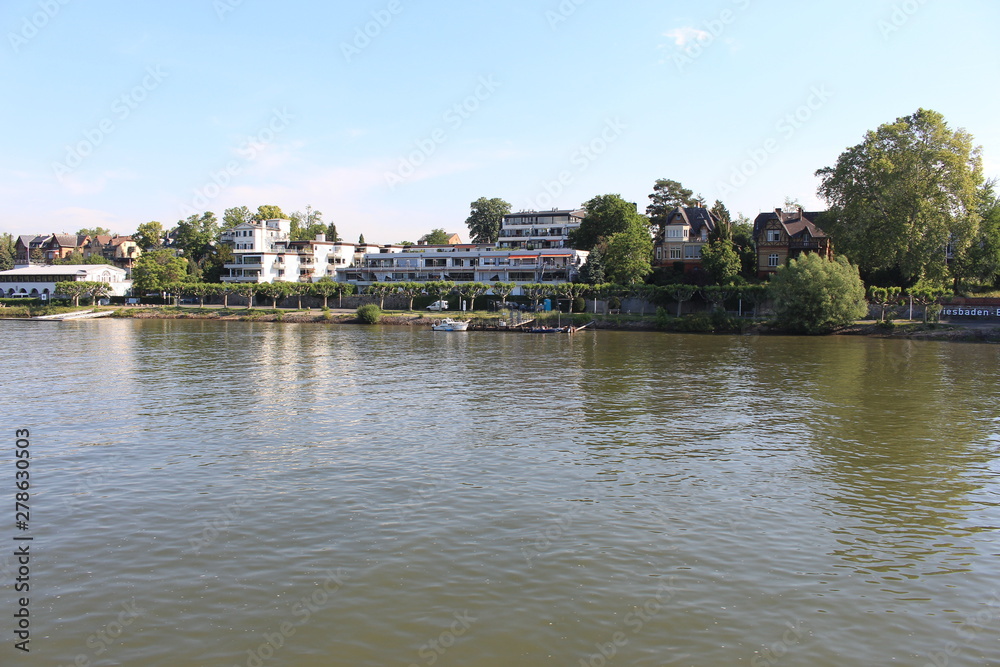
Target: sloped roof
x,y
796,223
695,217
118,240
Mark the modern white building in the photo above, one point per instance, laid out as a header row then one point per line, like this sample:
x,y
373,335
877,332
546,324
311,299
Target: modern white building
x,y
539,230
264,253
40,281
465,263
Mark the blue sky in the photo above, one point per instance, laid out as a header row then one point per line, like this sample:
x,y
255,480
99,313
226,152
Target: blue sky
x,y
391,116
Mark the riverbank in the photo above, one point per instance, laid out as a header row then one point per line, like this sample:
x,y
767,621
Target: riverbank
x,y
970,331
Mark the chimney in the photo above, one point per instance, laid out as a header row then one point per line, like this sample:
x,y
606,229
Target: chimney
x,y
321,238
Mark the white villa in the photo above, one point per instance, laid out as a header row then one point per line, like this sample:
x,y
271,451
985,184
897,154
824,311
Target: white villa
x,y
264,253
40,281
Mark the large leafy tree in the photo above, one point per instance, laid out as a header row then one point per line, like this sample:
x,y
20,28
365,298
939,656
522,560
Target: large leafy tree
x,y
156,269
195,235
237,215
668,195
268,212
980,261
720,259
149,235
606,215
904,195
305,226
815,295
627,255
486,218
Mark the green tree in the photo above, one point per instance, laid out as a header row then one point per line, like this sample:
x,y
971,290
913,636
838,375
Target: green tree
x,y
410,290
149,235
503,290
233,217
574,291
720,260
904,195
305,226
195,235
627,255
361,239
746,247
815,295
324,287
76,257
668,195
438,289
592,271
606,215
435,237
470,291
534,292
268,212
331,233
8,252
344,289
980,261
74,289
883,296
156,269
94,231
247,291
272,291
486,218
213,264
680,293
725,220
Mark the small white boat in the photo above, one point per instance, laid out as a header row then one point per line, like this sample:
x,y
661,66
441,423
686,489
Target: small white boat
x,y
448,324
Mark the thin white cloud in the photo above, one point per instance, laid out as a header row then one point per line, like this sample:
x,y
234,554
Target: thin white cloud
x,y
682,37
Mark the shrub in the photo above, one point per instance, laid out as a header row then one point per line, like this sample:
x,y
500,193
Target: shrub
x,y
814,295
370,313
579,304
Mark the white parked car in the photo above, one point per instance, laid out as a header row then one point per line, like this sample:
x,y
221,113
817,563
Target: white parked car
x,y
438,305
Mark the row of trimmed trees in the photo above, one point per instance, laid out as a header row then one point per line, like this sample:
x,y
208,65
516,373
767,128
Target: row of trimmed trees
x,y
323,289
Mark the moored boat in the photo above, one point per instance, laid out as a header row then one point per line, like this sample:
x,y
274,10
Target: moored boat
x,y
448,324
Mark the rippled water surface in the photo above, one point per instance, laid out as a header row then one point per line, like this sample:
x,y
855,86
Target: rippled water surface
x,y
229,493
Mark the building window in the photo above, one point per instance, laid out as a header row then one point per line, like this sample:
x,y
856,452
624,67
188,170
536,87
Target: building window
x,y
675,252
676,233
773,235
659,252
772,259
692,251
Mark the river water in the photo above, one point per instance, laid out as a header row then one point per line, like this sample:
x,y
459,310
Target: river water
x,y
231,493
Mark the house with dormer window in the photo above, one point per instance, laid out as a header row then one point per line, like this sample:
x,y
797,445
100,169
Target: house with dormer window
x,y
786,234
684,234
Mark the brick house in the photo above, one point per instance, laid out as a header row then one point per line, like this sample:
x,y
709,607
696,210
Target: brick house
x,y
682,237
786,234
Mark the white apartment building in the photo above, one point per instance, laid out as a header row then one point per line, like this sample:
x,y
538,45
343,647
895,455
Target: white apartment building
x,y
465,263
539,230
264,253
